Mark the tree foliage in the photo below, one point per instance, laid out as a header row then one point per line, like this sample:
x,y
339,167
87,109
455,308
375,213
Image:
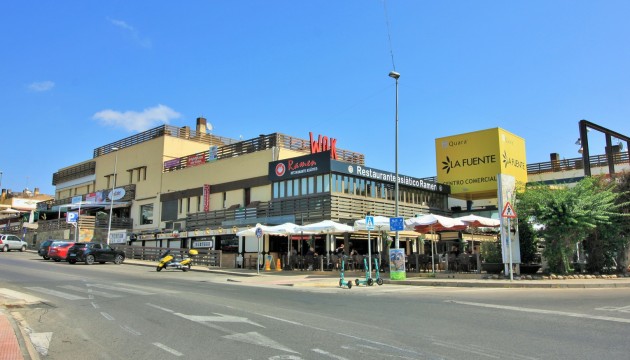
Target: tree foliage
x,y
569,215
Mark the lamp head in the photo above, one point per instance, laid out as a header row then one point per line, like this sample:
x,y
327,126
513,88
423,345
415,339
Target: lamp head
x,y
393,74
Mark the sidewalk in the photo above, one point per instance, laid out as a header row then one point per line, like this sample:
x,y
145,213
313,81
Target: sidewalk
x,y
13,344
331,279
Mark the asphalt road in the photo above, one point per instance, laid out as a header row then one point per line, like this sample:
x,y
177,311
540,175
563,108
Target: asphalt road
x,y
105,311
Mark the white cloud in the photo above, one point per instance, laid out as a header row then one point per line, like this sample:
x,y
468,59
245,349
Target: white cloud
x,y
41,86
137,121
135,35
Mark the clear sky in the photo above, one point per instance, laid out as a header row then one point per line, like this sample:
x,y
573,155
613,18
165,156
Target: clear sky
x,y
76,75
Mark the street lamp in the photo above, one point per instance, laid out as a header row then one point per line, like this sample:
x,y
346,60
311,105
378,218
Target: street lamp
x,y
395,75
111,197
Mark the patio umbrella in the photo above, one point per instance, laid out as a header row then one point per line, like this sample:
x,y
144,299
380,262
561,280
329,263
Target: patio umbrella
x,y
431,223
479,221
10,211
381,223
325,227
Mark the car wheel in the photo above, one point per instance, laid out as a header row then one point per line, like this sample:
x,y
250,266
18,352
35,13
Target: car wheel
x,y
158,268
73,261
89,260
5,248
184,269
45,257
119,259
23,248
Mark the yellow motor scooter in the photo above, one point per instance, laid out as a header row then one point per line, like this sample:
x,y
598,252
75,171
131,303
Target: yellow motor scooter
x,y
167,261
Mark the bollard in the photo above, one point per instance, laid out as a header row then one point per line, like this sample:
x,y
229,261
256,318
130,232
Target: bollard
x,y
278,265
268,263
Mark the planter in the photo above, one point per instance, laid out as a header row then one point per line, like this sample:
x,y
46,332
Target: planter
x,y
492,268
530,269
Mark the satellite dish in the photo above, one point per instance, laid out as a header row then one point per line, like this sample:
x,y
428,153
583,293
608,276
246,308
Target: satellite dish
x,y
209,127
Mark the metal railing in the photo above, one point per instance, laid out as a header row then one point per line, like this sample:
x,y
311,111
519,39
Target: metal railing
x,y
209,258
575,163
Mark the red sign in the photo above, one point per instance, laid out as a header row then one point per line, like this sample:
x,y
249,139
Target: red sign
x,y
324,143
206,197
508,211
195,160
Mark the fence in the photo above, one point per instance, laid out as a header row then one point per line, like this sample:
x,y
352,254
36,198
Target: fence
x,y
209,258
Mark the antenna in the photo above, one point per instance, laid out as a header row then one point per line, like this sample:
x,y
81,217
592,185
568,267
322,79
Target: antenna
x,y
389,36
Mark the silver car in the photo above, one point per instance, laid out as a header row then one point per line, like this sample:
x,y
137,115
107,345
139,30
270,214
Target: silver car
x,y
12,242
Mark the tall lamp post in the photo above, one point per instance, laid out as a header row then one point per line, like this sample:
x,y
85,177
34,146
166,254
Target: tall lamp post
x,y
111,197
396,75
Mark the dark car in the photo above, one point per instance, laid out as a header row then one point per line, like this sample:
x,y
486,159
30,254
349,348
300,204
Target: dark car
x,y
43,249
94,252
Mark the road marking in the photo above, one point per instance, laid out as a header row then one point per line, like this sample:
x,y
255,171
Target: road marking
x,y
130,330
90,291
160,308
218,318
322,352
56,293
107,316
168,349
257,339
121,289
625,309
541,311
30,299
95,305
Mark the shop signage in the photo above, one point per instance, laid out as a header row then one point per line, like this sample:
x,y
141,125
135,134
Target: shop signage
x,y
323,143
195,160
202,244
387,176
118,194
302,166
206,197
118,237
171,163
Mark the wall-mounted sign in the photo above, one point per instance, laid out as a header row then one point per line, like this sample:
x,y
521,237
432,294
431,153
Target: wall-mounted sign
x,y
301,166
323,143
118,194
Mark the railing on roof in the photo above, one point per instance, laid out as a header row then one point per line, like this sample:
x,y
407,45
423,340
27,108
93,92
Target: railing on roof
x,y
164,130
260,143
575,163
75,172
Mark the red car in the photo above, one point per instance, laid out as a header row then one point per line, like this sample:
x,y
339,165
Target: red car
x,y
59,250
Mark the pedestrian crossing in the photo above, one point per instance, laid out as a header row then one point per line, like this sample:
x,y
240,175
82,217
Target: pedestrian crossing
x,y
86,291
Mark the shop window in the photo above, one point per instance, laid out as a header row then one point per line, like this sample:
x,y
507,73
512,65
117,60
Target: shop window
x,y
146,214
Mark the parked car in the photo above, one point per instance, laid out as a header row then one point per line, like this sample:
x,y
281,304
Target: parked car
x,y
11,242
94,252
43,249
59,250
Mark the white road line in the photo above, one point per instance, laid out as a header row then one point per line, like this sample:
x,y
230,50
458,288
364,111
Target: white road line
x,y
20,296
95,305
90,291
168,349
56,293
160,308
542,311
330,355
130,330
121,289
107,316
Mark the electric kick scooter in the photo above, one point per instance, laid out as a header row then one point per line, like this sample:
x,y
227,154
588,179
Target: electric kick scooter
x,y
368,280
378,279
342,281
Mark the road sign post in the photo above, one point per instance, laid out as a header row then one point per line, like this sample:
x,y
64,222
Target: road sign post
x,y
259,234
509,213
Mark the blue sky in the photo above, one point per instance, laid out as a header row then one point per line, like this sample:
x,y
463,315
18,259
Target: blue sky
x,y
77,75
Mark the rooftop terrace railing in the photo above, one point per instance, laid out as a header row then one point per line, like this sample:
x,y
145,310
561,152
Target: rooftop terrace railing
x,y
575,163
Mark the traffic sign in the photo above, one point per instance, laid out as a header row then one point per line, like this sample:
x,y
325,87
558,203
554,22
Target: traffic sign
x,y
369,222
508,211
396,224
259,232
72,217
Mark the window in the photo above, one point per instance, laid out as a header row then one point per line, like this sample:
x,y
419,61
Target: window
x,y
319,183
326,183
289,188
146,214
304,186
296,187
275,190
311,185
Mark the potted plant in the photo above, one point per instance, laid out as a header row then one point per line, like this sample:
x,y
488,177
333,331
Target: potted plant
x,y
530,259
491,257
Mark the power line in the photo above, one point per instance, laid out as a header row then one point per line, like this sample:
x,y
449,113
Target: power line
x,y
389,36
